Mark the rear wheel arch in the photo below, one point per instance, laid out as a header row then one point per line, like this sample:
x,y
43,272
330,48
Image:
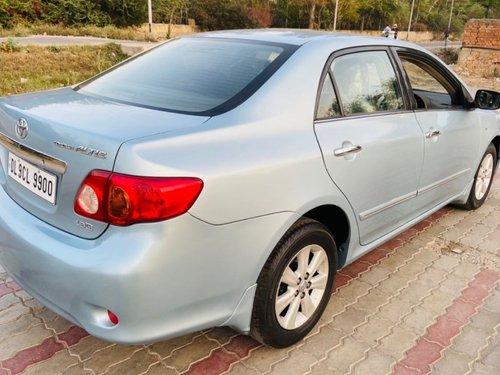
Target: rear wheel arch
x,y
496,143
337,222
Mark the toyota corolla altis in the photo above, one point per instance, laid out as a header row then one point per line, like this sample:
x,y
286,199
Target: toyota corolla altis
x,y
222,179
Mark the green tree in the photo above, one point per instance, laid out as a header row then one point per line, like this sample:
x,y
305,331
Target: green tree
x,y
221,14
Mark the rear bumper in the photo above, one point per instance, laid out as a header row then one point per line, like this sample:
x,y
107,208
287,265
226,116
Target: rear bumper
x,y
162,280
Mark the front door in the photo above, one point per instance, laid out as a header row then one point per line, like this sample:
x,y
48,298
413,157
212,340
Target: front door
x,y
451,134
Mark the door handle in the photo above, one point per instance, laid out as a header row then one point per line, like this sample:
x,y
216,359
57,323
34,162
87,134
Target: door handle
x,y
432,133
343,151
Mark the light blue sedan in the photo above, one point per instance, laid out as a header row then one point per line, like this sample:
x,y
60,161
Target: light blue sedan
x,y
222,179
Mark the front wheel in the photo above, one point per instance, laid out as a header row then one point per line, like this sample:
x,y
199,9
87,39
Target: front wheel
x,y
482,179
294,285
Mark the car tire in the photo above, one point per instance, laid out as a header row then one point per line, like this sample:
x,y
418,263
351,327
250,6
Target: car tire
x,y
482,179
294,285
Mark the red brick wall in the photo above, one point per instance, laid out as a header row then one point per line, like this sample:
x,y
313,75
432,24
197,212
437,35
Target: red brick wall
x,y
482,33
480,52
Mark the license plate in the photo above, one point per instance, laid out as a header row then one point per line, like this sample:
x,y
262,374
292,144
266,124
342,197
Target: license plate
x,y
41,183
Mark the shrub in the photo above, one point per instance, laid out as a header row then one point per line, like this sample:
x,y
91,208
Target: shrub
x,y
448,55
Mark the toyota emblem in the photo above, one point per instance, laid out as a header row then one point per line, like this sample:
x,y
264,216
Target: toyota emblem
x,y
21,128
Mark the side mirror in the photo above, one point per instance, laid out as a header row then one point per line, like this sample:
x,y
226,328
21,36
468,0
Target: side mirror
x,y
487,99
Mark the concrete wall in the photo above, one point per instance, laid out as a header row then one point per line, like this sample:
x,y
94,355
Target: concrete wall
x,y
159,30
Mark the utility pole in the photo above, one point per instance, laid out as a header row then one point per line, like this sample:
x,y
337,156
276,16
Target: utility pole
x,y
409,22
150,16
451,13
335,16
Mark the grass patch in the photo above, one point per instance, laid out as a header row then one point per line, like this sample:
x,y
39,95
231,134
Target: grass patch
x,y
34,68
111,32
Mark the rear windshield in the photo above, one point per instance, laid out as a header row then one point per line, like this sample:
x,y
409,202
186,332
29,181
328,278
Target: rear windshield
x,y
202,76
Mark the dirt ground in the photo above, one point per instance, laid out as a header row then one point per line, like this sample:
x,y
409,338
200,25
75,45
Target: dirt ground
x,y
477,82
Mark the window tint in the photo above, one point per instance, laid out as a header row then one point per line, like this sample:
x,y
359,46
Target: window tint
x,y
426,84
328,105
367,82
191,75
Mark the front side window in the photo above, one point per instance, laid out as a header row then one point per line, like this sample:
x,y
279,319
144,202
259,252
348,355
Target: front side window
x,y
192,75
431,90
366,83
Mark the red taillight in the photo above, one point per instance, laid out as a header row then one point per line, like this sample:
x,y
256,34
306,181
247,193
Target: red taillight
x,y
124,200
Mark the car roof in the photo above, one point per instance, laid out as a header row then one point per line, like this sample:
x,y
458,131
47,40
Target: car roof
x,y
300,37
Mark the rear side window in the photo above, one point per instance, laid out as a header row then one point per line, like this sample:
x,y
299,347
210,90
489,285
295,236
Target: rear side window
x,y
192,75
366,82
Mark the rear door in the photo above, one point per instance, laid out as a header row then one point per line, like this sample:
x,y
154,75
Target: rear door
x,y
371,142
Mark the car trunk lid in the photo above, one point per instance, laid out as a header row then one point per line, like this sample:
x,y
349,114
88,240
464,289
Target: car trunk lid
x,y
57,138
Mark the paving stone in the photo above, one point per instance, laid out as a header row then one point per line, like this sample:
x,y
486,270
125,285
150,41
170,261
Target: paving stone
x,y
485,320
480,369
240,369
397,309
397,342
8,300
264,357
77,369
371,301
393,261
89,345
418,320
297,360
101,360
466,270
23,296
411,270
319,343
222,335
31,337
11,313
372,331
453,284
375,276
452,363
490,355
492,303
355,289
138,363
347,321
166,348
393,284
55,365
375,363
160,369
322,369
181,358
445,263
437,301
470,341
343,356
425,257
435,230
416,292
335,306
21,324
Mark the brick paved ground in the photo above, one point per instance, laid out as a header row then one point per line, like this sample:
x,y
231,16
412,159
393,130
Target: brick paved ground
x,y
427,301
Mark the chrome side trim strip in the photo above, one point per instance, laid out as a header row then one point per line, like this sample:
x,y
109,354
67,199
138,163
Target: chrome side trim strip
x,y
376,210
436,184
34,157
